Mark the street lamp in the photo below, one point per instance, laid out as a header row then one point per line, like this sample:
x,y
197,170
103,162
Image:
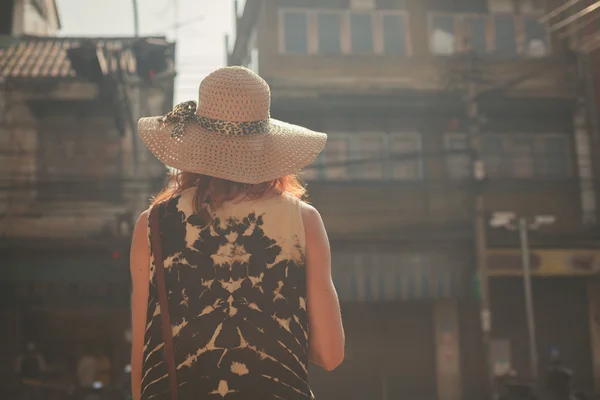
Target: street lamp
x,y
510,221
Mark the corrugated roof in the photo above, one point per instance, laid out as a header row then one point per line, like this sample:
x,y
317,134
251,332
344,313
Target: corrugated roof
x,y
46,57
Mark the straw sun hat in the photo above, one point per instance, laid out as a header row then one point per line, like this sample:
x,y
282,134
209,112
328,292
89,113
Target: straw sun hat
x,y
230,134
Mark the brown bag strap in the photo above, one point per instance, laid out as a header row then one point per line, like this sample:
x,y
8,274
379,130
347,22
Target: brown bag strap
x,y
167,331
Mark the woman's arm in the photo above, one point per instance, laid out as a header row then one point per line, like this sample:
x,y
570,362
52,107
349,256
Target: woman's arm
x,y
325,320
140,273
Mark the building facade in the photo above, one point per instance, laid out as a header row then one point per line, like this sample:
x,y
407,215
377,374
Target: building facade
x,y
29,17
74,176
388,81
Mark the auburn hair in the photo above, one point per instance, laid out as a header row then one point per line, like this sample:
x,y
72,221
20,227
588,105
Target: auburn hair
x,y
216,191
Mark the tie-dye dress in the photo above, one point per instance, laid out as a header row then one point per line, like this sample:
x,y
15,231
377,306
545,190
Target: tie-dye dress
x,y
237,299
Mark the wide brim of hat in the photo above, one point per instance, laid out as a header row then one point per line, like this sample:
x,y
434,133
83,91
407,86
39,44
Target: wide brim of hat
x,y
282,150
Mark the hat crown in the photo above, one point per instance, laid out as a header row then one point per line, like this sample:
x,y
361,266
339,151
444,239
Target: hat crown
x,y
234,94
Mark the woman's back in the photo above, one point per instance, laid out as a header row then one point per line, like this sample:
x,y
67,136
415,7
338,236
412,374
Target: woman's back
x,y
237,300
237,282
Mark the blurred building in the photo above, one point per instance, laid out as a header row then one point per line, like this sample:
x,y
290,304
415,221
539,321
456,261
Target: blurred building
x,y
387,80
29,17
73,178
578,23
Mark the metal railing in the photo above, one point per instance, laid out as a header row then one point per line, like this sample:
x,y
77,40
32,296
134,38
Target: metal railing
x,y
578,21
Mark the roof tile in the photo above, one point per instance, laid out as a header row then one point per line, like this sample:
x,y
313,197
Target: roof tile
x,y
46,57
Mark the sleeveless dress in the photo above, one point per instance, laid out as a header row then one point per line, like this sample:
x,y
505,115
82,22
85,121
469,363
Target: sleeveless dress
x,y
237,300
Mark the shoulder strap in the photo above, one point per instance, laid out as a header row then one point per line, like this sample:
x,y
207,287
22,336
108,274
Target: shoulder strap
x,y
167,331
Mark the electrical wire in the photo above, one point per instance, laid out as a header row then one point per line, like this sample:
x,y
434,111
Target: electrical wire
x,y
183,24
168,7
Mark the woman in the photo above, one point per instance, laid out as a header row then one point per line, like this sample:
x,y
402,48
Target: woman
x,y
246,262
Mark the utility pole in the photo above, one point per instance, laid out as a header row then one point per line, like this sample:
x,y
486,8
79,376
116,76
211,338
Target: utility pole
x,y
136,19
479,222
533,356
512,222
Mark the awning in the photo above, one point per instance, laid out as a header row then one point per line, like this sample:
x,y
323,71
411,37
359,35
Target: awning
x,y
396,276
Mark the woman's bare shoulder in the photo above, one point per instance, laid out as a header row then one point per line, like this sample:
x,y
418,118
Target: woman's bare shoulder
x,y
307,207
313,222
144,216
310,214
140,231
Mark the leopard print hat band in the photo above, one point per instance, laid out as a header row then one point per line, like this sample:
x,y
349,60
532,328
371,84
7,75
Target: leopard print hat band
x,y
186,112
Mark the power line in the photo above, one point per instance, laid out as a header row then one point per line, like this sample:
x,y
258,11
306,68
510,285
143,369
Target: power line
x,y
165,9
182,24
466,182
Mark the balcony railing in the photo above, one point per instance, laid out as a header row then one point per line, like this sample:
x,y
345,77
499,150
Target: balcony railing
x,y
538,156
400,157
369,156
576,20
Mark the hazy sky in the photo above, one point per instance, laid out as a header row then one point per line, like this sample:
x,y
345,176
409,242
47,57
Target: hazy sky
x,y
200,44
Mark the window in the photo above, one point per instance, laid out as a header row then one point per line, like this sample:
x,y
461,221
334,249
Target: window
x,y
361,33
492,158
516,156
552,156
295,27
443,37
536,38
523,157
368,156
458,162
313,171
369,147
337,151
405,158
395,34
501,34
505,37
329,31
476,33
